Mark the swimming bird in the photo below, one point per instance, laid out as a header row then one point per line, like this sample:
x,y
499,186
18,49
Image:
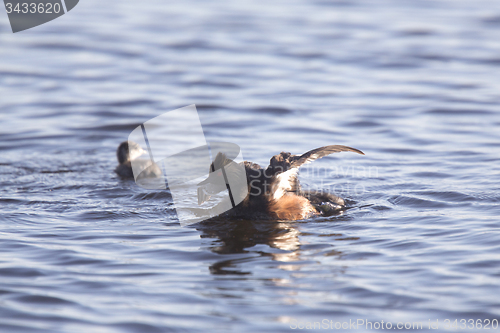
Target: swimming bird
x,y
129,151
275,192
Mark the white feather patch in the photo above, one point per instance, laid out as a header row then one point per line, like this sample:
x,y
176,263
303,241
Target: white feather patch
x,y
284,183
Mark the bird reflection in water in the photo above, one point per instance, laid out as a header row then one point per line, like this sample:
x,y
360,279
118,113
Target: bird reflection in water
x,y
278,240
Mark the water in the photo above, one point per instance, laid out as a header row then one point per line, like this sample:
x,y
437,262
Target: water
x,y
412,84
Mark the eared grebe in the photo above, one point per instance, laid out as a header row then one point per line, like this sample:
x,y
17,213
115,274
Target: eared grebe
x,y
129,151
275,192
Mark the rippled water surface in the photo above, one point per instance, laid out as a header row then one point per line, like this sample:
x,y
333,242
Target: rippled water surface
x,y
414,84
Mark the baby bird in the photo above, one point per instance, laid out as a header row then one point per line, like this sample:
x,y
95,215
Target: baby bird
x,y
129,151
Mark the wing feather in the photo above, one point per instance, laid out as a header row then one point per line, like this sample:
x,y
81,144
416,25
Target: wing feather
x,y
285,167
318,153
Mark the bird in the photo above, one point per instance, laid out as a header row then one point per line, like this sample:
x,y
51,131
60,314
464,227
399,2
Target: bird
x,y
275,192
129,151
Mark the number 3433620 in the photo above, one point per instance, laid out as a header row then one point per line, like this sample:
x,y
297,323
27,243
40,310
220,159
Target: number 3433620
x,y
33,8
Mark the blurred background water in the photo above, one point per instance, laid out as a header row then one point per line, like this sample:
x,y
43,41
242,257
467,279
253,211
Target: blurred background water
x,y
414,84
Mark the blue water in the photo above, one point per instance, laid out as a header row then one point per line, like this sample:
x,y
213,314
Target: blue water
x,y
414,84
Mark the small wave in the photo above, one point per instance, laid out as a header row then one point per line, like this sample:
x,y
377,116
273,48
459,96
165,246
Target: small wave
x,y
403,200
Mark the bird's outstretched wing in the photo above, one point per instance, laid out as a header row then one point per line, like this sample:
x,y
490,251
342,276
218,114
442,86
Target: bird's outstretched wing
x,y
317,153
285,167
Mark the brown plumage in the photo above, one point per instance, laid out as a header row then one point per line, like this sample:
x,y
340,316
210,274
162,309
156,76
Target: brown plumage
x,y
290,207
275,192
